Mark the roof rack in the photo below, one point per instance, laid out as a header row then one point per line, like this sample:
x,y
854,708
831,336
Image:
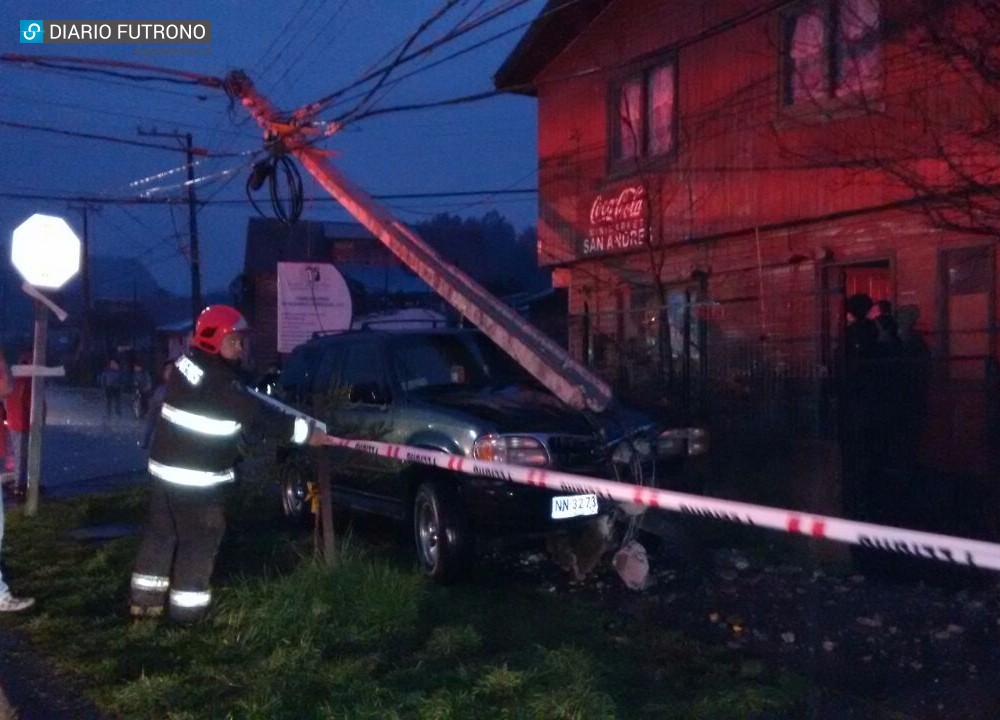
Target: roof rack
x,y
323,333
407,324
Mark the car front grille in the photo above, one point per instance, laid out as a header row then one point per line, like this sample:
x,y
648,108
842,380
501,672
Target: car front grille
x,y
575,453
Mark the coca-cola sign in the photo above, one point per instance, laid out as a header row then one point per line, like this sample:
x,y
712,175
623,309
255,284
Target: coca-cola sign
x,y
617,221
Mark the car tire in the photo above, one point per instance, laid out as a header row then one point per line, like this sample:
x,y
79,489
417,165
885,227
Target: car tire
x,y
441,532
293,478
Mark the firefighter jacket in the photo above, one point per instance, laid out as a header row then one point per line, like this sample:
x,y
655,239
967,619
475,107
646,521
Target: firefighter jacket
x,y
205,411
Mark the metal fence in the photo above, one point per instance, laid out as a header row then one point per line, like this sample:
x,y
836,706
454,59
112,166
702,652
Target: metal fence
x,y
678,360
685,362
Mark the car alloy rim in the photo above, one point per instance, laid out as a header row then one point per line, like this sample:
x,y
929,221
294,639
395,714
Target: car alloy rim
x,y
294,492
427,528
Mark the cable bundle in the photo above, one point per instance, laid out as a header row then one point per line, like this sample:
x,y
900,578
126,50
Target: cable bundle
x,y
268,171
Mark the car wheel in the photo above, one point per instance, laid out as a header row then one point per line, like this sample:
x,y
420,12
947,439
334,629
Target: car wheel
x,y
441,532
293,479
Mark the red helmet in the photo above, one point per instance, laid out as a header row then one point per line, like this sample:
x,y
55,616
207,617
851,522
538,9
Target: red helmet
x,y
214,323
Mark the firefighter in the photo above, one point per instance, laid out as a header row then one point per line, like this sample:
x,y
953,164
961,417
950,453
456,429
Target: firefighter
x,y
191,462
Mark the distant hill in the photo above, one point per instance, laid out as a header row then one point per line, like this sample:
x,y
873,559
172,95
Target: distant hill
x,y
118,280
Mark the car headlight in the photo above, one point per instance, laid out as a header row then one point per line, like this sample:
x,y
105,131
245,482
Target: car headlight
x,y
622,454
513,449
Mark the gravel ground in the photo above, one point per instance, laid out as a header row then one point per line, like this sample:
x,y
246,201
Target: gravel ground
x,y
907,642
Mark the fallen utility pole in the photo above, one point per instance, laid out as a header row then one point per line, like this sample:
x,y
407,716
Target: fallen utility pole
x,y
552,365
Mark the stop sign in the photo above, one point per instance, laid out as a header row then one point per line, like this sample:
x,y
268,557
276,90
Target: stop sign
x,y
46,251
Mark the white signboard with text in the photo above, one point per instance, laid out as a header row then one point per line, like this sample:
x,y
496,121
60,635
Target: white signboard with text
x,y
312,297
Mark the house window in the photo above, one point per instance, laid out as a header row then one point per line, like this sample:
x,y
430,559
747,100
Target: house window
x,y
642,114
968,284
831,49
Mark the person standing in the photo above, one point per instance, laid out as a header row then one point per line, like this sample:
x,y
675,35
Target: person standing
x,y
142,385
111,383
886,323
8,602
206,410
856,400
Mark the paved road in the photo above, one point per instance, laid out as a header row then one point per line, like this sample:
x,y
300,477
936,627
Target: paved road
x,y
80,443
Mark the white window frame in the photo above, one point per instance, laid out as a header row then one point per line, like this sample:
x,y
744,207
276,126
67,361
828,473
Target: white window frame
x,y
645,144
838,57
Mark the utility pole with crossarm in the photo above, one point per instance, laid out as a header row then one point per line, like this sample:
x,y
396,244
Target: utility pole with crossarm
x,y
194,254
83,356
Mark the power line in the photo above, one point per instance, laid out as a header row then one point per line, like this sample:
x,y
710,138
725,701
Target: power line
x,y
242,201
109,138
383,75
326,100
101,67
75,73
279,35
463,100
102,111
322,31
291,36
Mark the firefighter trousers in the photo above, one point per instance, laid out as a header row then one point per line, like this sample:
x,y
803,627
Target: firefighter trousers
x,y
177,554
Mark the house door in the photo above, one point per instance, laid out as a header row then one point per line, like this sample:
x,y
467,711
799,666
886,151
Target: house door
x,y
839,283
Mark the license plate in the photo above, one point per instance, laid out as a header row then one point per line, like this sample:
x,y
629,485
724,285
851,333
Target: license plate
x,y
567,506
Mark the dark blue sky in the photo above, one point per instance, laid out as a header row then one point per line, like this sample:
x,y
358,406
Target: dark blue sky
x,y
295,52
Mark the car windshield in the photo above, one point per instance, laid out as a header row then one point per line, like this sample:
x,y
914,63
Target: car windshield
x,y
434,360
502,369
463,361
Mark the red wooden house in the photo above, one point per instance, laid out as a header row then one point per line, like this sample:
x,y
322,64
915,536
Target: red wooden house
x,y
716,177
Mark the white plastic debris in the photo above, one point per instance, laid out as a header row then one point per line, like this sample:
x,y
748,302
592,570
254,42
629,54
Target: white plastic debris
x,y
632,565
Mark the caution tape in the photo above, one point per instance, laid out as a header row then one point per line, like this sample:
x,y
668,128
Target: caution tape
x,y
913,543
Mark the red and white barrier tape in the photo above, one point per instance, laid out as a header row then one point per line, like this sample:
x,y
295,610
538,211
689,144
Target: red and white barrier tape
x,y
914,543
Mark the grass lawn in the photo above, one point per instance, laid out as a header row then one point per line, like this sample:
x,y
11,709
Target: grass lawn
x,y
289,637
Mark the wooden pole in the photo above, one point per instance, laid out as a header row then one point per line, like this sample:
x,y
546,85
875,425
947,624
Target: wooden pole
x,y
322,466
37,421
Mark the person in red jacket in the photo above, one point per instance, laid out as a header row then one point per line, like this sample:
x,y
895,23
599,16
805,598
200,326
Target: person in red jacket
x,y
18,406
5,469
206,411
8,603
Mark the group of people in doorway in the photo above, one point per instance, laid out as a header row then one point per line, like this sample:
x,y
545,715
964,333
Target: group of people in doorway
x,y
883,384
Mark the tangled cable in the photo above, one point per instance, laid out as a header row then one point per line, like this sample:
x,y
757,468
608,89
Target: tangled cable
x,y
267,170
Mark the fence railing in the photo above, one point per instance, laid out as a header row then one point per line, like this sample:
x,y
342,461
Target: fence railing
x,y
739,381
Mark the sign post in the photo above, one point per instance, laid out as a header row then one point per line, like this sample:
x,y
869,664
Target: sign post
x,y
46,252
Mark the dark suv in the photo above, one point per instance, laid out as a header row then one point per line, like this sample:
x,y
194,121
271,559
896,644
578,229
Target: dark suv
x,y
453,391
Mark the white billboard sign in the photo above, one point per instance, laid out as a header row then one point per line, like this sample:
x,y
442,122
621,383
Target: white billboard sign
x,y
312,297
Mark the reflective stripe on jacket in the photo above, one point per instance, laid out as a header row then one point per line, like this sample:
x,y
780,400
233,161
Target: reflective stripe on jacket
x,y
206,412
